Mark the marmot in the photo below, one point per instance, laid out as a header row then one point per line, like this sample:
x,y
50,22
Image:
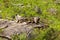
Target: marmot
x,y
20,19
34,20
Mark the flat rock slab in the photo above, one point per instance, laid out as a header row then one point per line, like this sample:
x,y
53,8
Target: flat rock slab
x,y
12,28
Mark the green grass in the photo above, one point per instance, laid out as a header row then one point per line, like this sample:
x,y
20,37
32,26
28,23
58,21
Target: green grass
x,y
8,9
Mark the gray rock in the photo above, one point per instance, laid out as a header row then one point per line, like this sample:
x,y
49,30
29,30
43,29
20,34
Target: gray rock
x,y
57,1
14,28
52,10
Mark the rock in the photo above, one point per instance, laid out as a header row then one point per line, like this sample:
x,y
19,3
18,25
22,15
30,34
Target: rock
x,y
52,10
14,28
57,2
4,38
18,29
3,23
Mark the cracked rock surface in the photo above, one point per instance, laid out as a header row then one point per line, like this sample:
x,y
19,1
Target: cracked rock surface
x,y
11,28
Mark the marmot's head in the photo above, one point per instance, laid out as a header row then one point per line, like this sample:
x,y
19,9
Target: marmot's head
x,y
36,19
